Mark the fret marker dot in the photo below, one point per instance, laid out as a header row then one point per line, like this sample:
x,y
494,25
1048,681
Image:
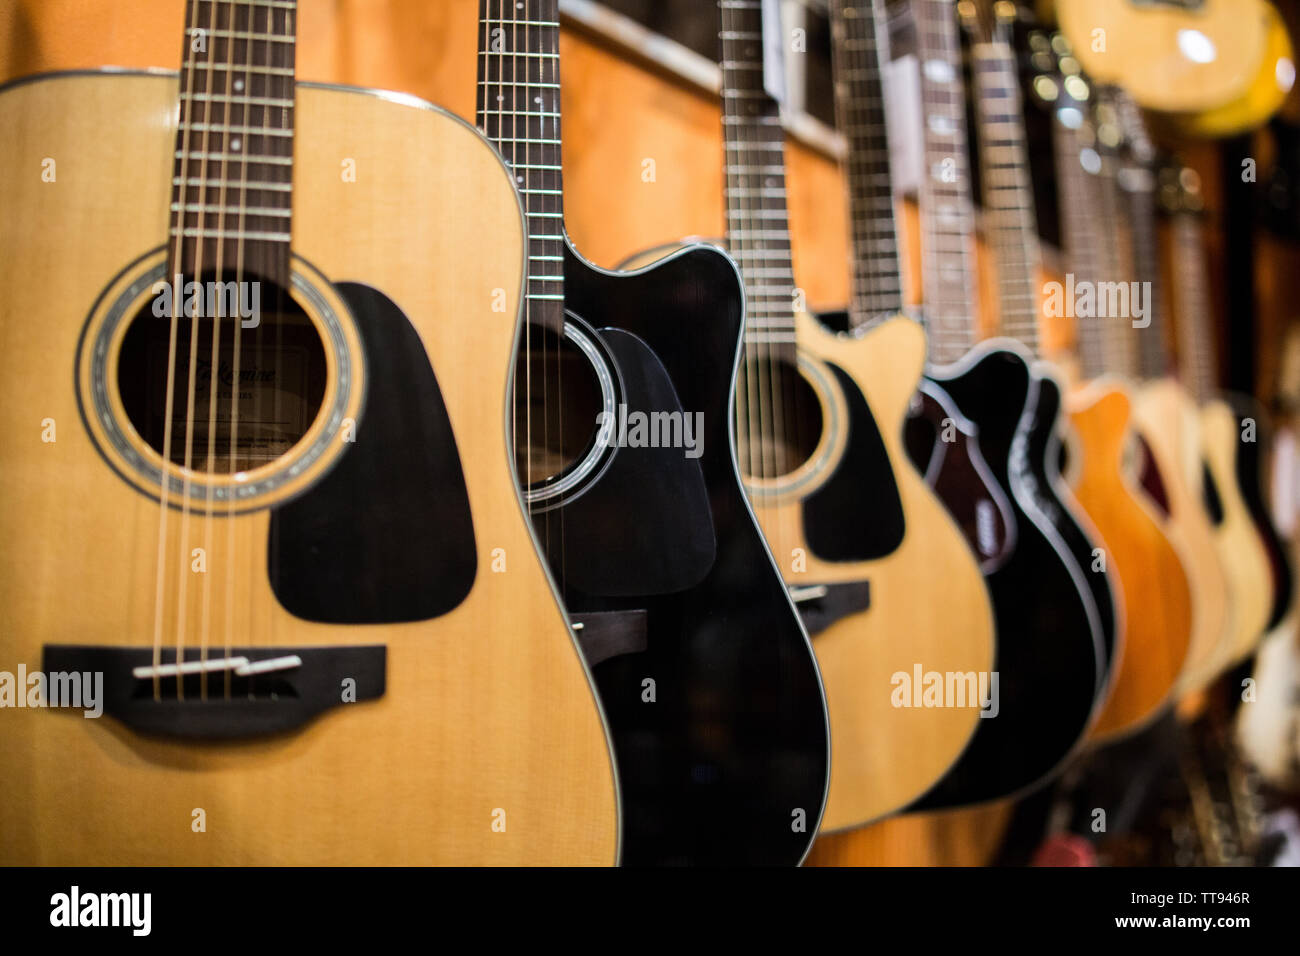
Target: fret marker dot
x,y
234,144
239,86
500,98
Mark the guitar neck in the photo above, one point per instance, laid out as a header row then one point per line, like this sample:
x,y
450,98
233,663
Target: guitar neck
x,y
859,46
1195,345
758,227
1115,242
1139,189
947,211
1008,196
519,111
1079,191
1153,351
232,171
1096,237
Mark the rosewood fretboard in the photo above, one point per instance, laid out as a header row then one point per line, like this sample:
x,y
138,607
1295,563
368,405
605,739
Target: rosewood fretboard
x,y
233,165
519,111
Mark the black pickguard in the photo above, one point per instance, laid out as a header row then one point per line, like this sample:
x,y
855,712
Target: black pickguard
x,y
734,749
857,514
1048,648
413,557
643,557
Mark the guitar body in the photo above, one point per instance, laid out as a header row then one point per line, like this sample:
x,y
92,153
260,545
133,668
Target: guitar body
x,y
1240,546
734,740
1154,50
1166,418
1153,586
474,736
1070,520
858,519
1251,468
1050,650
1263,97
882,755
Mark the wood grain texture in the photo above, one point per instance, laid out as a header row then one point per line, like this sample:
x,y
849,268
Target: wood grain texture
x,y
953,838
486,707
929,605
1153,589
1240,548
1166,418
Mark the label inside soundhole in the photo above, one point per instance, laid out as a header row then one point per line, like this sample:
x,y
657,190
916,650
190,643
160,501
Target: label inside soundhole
x,y
266,395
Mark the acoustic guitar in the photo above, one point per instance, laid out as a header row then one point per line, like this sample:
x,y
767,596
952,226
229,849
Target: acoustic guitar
x,y
1165,416
1154,589
1054,638
1224,433
622,419
853,526
259,503
1171,55
1265,95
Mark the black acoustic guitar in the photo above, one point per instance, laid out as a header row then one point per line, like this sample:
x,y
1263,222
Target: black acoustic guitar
x,y
623,410
1055,615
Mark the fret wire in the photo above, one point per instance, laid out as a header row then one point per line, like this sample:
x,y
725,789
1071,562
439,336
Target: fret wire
x,y
947,211
519,112
247,65
859,48
1008,202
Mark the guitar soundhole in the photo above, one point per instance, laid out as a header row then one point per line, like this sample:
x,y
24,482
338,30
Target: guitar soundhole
x,y
267,393
557,399
778,418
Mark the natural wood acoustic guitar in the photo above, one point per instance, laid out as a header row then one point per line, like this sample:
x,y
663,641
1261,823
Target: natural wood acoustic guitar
x,y
270,515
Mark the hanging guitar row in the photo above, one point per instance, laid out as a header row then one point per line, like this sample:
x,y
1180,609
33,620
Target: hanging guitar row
x,y
352,515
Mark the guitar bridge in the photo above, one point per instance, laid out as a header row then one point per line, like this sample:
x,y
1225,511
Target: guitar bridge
x,y
821,605
239,693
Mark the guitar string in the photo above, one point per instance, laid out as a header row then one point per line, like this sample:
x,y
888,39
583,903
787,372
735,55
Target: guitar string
x,y
1012,225
875,267
751,179
284,302
187,63
1076,199
733,158
216,339
551,18
237,346
288,27
734,137
951,303
750,236
182,601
